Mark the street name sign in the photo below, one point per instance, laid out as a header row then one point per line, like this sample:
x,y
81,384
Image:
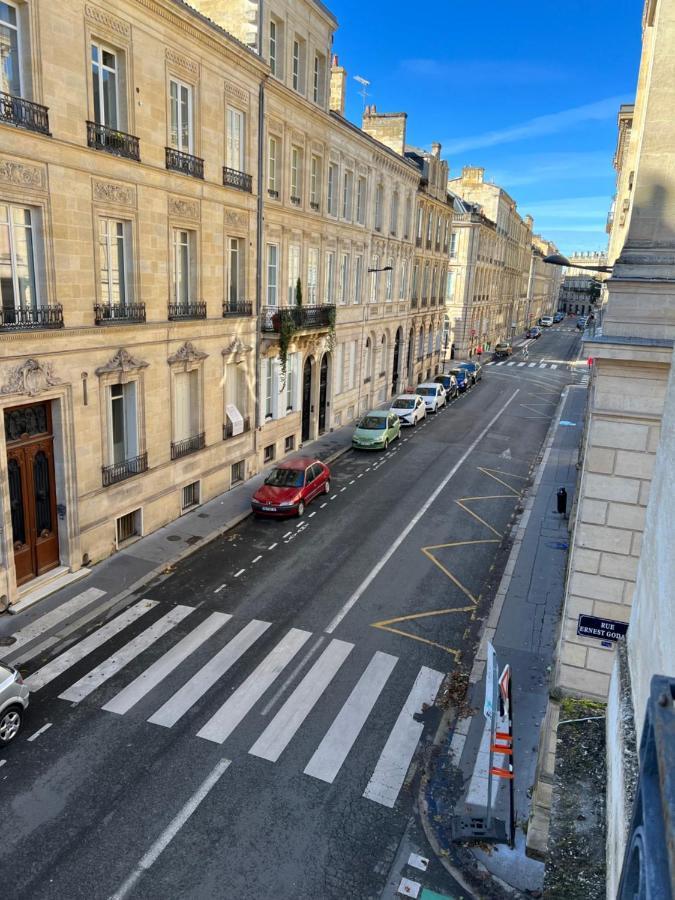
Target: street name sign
x,y
604,629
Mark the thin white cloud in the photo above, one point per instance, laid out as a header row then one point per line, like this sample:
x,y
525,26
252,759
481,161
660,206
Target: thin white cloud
x,y
483,71
568,208
553,123
533,168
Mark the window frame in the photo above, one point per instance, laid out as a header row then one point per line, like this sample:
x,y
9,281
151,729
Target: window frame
x,y
180,83
101,46
271,246
241,162
127,260
192,285
37,254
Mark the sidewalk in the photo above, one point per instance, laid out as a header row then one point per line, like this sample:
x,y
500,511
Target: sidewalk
x,y
522,627
115,578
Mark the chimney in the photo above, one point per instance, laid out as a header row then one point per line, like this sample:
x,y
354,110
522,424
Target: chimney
x,y
529,221
473,174
436,149
338,86
387,128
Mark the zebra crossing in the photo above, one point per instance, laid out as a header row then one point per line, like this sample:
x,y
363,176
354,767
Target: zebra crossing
x,y
307,685
530,365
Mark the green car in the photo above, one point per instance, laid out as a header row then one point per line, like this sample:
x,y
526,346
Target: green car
x,y
376,430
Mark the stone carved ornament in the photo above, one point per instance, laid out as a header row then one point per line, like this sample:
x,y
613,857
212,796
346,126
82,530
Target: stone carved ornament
x,y
188,353
110,192
31,377
237,349
103,18
25,176
122,362
235,218
181,61
184,209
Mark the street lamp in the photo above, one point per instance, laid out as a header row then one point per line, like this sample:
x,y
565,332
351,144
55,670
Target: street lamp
x,y
557,259
384,269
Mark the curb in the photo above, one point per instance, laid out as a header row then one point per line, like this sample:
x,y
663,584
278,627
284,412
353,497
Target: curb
x,y
488,629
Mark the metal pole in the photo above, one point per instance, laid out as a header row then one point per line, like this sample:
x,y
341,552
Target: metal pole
x,y
493,728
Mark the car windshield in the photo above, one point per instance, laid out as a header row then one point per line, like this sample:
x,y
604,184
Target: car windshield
x,y
403,403
375,423
459,373
426,391
501,346
285,478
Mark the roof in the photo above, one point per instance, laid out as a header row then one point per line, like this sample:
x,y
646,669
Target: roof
x,y
367,137
298,462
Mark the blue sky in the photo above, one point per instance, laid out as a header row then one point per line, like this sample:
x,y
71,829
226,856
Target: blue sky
x,y
526,89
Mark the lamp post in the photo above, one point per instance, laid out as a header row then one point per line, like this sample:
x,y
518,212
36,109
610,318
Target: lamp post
x,y
557,259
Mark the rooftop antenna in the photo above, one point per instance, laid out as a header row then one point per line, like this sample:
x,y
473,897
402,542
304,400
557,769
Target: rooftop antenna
x,y
363,92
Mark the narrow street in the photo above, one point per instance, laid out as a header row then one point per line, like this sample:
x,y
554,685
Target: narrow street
x,y
249,726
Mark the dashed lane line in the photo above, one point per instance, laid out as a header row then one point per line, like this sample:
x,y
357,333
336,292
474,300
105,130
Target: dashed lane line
x,y
240,572
272,546
40,731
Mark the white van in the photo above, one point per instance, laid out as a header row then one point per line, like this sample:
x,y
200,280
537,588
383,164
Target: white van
x,y
546,321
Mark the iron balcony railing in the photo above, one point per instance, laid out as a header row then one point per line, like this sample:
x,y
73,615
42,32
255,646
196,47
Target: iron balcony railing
x,y
31,317
23,113
125,469
236,179
314,205
413,302
125,313
418,241
195,310
185,163
188,445
237,308
295,200
119,143
301,316
228,430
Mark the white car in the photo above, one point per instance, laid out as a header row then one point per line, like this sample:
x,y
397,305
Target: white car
x,y
546,321
433,395
13,702
410,409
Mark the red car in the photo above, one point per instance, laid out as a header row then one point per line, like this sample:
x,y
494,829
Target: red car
x,y
289,487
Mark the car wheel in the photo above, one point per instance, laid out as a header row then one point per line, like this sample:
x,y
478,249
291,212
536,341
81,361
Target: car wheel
x,y
301,509
386,444
326,487
10,724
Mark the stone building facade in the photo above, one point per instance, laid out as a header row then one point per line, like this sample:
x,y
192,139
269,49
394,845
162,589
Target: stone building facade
x,y
543,285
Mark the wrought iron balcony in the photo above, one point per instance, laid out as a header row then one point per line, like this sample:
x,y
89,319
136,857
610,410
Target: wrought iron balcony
x,y
185,163
240,180
119,143
237,308
23,113
118,313
295,200
31,317
418,241
301,317
189,445
126,469
314,205
273,194
196,310
228,429
413,302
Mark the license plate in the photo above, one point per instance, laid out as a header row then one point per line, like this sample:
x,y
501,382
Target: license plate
x,y
268,509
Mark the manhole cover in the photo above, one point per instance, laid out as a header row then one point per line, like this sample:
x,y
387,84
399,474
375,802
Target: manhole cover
x,y
7,641
203,516
173,537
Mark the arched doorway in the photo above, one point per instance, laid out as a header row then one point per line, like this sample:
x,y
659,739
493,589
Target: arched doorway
x,y
306,398
411,350
323,393
394,370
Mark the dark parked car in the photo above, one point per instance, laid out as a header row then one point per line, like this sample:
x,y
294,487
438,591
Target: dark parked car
x,y
449,382
534,332
558,317
474,369
463,379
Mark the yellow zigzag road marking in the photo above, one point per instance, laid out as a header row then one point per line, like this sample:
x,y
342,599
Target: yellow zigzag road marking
x,y
386,624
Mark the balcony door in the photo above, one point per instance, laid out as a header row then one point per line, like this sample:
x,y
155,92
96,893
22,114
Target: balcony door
x,y
306,399
32,495
323,393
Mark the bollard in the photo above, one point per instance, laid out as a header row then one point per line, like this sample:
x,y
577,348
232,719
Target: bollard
x,y
562,501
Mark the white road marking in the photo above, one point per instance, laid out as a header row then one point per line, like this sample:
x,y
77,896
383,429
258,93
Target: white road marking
x,y
377,568
257,559
288,533
368,469
333,497
353,481
543,365
521,364
501,363
531,365
279,733
2,762
340,737
240,572
293,675
158,671
50,619
172,829
122,657
74,654
322,505
394,762
510,364
40,731
300,524
554,365
171,711
343,489
272,546
219,589
221,725
360,475
311,514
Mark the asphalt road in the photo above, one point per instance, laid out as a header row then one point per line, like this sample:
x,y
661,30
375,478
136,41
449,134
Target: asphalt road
x,y
291,688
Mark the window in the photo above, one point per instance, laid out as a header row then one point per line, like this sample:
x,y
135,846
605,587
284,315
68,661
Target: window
x,y
367,361
10,64
351,364
273,47
361,201
415,281
389,280
418,227
374,279
450,286
393,227
420,343
105,85
319,82
425,283
291,387
453,243
330,276
332,189
182,289
298,66
113,240
180,97
430,340
315,182
289,443
312,274
347,191
128,526
269,453
272,272
236,274
272,160
296,172
18,263
236,388
406,218
404,279
293,272
186,405
430,227
234,150
343,283
268,385
190,496
123,422
379,197
238,472
358,278
339,369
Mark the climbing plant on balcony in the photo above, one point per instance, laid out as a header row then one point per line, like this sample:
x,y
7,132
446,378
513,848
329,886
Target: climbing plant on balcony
x,y
287,329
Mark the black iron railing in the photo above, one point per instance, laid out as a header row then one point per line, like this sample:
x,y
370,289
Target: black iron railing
x,y
100,137
23,113
413,302
31,317
273,194
418,241
296,200
301,316
185,163
314,205
188,445
125,469
106,314
195,310
236,179
228,431
237,308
